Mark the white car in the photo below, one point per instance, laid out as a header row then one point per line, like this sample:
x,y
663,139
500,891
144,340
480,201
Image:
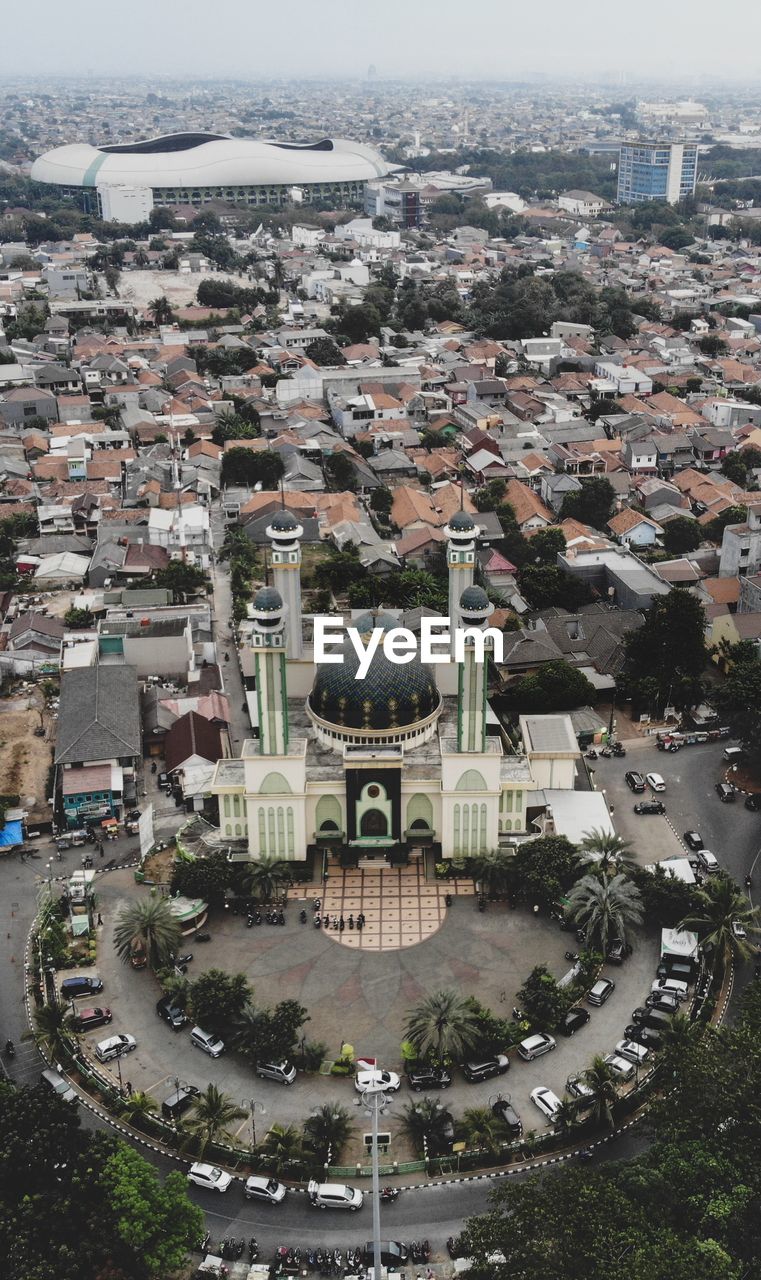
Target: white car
x,y
634,1052
376,1081
708,861
209,1176
333,1195
738,930
114,1047
655,782
535,1046
547,1102
263,1188
620,1067
672,986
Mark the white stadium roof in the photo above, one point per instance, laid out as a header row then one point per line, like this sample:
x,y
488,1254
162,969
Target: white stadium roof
x,y
209,160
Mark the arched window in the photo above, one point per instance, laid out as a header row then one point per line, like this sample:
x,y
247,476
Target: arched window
x,y
419,812
275,784
471,780
373,823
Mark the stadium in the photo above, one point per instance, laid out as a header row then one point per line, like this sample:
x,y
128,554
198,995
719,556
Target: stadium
x,y
196,168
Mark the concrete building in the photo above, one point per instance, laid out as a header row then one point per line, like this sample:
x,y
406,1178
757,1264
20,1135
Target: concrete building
x,y
740,554
656,171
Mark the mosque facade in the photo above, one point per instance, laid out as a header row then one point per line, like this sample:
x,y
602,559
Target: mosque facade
x,y
381,768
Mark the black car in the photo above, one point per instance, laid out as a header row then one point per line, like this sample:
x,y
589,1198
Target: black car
x,y
428,1078
485,1068
725,792
634,780
505,1111
617,952
693,841
645,1036
573,1021
650,806
753,801
169,1010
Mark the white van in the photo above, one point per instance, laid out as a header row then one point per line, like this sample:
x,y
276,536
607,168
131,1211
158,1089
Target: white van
x,y
674,987
733,754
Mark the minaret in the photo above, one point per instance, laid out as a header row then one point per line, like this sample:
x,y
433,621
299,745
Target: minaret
x,y
475,608
461,534
269,669
284,531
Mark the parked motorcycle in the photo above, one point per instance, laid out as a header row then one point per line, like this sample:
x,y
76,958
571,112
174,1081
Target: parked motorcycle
x,y
573,956
389,1194
253,1249
591,754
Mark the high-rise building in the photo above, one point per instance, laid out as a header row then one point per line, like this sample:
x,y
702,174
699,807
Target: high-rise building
x,y
656,171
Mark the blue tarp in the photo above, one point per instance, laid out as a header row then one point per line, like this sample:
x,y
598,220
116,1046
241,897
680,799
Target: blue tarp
x,y
11,834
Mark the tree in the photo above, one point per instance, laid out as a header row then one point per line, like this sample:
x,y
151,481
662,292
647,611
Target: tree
x,y
609,852
381,501
601,1080
427,1125
541,999
324,352
682,534
664,658
607,908
148,925
738,699
182,579
712,345
265,878
246,467
339,570
285,1149
359,323
491,870
490,496
543,869
546,544
556,686
328,1130
339,469
207,878
720,906
161,310
218,999
665,900
442,1024
592,504
482,1129
137,1106
78,619
211,1118
269,1035
153,1218
549,586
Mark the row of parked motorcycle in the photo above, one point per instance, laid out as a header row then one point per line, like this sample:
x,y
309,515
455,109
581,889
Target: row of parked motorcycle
x,y
328,1262
611,749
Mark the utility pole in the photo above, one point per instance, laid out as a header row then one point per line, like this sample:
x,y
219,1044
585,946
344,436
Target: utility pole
x,y
375,1101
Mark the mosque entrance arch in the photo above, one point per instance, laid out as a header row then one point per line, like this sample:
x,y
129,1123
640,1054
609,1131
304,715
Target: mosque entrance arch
x,y
373,823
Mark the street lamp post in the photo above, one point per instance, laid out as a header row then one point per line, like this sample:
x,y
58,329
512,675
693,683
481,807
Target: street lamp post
x,y
252,1106
375,1101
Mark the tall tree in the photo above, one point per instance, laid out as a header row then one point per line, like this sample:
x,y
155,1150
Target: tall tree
x,y
721,914
605,907
592,505
665,657
212,1118
443,1024
148,924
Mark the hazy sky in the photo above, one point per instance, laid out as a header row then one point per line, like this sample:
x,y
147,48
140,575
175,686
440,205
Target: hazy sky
x,y
259,39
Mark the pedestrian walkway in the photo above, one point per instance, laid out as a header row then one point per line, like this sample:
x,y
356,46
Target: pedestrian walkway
x,y
399,906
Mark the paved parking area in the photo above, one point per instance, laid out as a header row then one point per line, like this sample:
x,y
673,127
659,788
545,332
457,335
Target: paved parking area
x,y
362,997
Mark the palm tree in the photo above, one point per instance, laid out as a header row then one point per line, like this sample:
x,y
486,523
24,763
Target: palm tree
x,y
680,1037
606,907
606,850
150,925
328,1130
720,906
137,1106
426,1120
51,1022
443,1023
211,1117
602,1082
161,310
566,1116
492,871
284,1147
482,1129
265,878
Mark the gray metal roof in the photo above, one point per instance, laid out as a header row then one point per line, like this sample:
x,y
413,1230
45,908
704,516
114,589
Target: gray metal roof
x,y
99,715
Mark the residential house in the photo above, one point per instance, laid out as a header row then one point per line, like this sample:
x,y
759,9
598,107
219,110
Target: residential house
x,y
530,511
98,724
633,529
741,547
554,488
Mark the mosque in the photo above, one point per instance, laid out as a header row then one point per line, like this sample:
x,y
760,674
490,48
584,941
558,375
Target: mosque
x,y
405,760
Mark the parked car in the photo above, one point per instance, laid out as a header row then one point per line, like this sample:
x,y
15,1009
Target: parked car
x,y
269,1190
178,1102
643,1035
393,1254
547,1102
88,1018
504,1109
600,992
708,861
574,1020
115,1047
208,1041
86,985
663,1002
376,1081
634,780
333,1195
209,1176
655,782
429,1078
674,969
55,1081
738,930
673,986
650,806
485,1068
617,951
753,801
281,1072
725,792
693,840
578,1088
621,1067
171,1012
633,1051
537,1045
